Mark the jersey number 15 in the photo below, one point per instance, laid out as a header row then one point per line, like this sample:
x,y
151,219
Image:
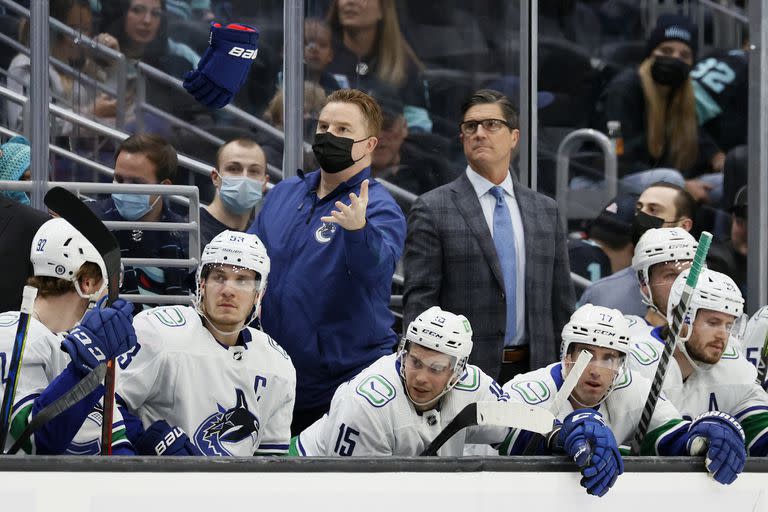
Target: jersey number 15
x,y
345,445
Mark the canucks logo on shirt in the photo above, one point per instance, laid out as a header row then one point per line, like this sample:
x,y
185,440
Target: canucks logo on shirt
x,y
227,426
325,232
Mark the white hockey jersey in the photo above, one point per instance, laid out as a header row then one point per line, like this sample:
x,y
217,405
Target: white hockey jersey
x,y
43,361
229,400
638,326
754,340
371,415
621,410
728,386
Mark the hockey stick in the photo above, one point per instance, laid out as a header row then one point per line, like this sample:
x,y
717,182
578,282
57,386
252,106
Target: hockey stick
x,y
671,340
68,206
563,393
81,390
17,356
499,414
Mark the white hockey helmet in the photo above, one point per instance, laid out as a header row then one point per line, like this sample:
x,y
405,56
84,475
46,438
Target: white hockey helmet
x,y
600,327
441,331
59,250
714,290
660,245
239,250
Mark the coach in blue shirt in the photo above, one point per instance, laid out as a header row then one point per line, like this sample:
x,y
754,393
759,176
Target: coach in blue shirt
x,y
334,237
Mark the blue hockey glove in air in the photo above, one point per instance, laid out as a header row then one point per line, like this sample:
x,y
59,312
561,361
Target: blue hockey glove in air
x,y
724,436
224,66
162,439
587,439
102,334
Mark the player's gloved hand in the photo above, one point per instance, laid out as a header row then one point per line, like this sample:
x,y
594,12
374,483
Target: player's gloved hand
x,y
587,439
224,66
162,439
723,438
102,334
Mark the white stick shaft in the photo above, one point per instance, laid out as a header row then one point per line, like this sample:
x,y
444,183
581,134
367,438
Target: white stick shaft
x,y
570,381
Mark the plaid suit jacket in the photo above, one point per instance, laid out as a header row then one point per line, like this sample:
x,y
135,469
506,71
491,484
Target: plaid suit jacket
x,y
450,261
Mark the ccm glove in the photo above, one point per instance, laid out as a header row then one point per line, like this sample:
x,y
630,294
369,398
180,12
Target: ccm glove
x,y
102,334
162,439
724,436
224,66
586,438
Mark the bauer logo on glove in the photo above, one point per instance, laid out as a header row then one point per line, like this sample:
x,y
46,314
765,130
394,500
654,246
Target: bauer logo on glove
x,y
224,67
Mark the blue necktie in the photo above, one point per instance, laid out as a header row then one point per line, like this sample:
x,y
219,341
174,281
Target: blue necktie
x,y
504,240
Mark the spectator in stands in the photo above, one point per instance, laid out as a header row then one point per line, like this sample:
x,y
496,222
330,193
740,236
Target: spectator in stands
x,y
334,237
370,53
660,205
191,9
15,156
608,247
314,100
657,110
729,256
413,165
146,159
492,249
65,89
240,178
318,53
141,28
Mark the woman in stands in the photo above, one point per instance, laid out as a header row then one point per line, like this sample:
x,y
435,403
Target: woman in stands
x,y
657,110
65,89
141,27
370,53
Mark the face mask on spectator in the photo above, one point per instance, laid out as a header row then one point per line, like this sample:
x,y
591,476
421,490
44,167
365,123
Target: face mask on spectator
x,y
642,223
669,71
133,206
239,193
334,154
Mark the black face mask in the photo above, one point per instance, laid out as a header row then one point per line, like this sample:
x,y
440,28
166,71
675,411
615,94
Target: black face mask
x,y
334,154
669,71
642,223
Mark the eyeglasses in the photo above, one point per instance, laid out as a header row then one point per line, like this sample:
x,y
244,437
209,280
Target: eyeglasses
x,y
489,125
142,10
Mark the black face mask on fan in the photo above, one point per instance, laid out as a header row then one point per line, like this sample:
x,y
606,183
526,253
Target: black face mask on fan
x,y
334,154
669,71
642,223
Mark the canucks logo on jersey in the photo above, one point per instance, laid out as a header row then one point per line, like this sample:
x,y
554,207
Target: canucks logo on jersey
x,y
227,426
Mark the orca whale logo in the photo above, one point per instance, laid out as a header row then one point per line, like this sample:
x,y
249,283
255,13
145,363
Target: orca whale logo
x,y
325,232
227,426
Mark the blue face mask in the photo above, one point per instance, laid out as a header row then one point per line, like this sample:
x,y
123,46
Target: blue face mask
x,y
133,206
17,196
239,193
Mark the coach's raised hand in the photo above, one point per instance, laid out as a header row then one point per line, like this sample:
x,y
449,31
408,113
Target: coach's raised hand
x,y
351,217
224,66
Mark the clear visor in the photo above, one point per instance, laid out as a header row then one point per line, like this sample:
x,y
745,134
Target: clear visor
x,y
435,362
613,362
239,278
664,274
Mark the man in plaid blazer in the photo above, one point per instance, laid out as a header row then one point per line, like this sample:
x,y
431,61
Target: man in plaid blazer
x,y
451,258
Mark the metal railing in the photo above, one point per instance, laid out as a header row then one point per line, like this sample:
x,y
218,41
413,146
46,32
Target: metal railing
x,y
589,202
192,227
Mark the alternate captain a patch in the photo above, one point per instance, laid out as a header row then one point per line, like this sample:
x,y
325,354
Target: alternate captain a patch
x,y
325,232
227,427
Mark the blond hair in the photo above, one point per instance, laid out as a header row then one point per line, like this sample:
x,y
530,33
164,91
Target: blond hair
x,y
48,286
314,100
671,125
370,109
392,51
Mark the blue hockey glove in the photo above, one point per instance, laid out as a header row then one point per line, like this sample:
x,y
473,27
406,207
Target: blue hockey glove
x,y
224,66
724,436
102,334
587,439
162,439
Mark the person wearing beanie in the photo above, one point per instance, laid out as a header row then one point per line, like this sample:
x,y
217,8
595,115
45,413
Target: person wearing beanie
x,y
14,166
656,107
